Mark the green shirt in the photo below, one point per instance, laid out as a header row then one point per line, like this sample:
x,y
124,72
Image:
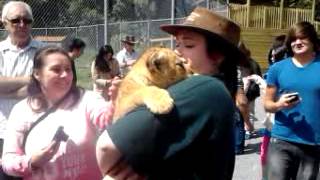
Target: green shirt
x,y
194,141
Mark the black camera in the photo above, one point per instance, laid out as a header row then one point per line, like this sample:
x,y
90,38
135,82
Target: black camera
x,y
60,135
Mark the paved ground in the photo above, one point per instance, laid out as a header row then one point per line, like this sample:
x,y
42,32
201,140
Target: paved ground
x,y
247,165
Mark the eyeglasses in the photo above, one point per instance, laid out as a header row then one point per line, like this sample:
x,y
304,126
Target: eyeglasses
x,y
18,20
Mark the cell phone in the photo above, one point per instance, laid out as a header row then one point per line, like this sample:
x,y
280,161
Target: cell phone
x,y
295,96
60,135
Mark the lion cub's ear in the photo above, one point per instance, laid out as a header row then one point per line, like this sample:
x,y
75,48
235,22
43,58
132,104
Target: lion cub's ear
x,y
155,61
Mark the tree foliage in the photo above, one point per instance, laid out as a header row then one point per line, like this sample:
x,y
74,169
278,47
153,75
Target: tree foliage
x,y
54,13
287,3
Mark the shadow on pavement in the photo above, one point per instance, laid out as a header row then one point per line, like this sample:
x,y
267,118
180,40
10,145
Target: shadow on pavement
x,y
252,148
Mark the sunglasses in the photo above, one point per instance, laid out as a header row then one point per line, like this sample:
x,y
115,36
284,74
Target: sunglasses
x,y
18,20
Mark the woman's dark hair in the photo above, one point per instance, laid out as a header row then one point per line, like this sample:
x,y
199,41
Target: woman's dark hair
x,y
278,50
34,89
100,62
278,41
228,68
301,29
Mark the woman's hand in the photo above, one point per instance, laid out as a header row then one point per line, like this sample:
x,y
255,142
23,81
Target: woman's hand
x,y
42,157
113,89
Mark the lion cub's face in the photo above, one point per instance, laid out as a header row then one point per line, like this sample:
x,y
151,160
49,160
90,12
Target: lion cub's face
x,y
146,83
164,66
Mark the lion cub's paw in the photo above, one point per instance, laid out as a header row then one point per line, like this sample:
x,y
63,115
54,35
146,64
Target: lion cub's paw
x,y
159,102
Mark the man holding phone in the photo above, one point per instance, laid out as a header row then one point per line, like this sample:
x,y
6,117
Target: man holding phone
x,y
293,94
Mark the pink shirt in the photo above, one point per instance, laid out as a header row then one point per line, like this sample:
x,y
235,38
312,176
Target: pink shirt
x,y
75,159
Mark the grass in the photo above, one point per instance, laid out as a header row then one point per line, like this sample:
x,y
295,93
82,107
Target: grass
x,y
83,66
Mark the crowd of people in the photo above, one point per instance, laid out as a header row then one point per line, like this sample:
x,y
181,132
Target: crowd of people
x,y
52,129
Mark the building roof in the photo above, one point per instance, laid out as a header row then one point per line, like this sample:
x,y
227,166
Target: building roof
x,y
50,38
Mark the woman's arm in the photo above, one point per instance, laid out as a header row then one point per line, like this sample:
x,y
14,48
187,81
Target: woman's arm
x,y
14,160
110,160
94,74
243,104
100,112
116,67
107,153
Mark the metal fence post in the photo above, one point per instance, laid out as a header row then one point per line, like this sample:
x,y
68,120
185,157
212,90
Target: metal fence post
x,y
97,37
172,19
148,32
120,34
105,21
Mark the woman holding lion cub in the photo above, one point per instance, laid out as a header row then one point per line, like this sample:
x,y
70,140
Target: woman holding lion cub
x,y
195,139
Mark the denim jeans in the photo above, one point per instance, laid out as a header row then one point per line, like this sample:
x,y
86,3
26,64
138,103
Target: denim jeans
x,y
292,161
239,133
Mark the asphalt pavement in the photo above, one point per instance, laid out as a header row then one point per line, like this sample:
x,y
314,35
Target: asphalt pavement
x,y
247,166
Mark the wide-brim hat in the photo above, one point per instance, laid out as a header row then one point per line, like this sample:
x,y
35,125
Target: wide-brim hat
x,y
223,29
129,40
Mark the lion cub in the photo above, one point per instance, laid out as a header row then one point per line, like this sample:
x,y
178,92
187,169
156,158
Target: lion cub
x,y
156,69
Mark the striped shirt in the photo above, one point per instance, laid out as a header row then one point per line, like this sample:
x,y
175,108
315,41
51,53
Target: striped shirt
x,y
14,62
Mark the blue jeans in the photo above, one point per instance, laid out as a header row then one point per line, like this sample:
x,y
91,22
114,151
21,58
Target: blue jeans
x,y
292,161
239,133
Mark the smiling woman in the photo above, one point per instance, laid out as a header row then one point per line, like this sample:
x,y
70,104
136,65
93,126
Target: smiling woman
x,y
53,92
53,72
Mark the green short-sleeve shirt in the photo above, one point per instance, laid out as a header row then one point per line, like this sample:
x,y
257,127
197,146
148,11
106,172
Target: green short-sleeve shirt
x,y
193,141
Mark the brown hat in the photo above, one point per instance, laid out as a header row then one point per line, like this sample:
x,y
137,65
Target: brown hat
x,y
204,20
129,40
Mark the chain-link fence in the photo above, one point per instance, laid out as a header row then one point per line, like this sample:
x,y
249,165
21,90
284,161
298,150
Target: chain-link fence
x,y
100,22
59,20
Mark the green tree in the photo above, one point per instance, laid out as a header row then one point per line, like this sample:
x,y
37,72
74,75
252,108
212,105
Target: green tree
x,y
129,10
287,3
49,13
60,13
83,12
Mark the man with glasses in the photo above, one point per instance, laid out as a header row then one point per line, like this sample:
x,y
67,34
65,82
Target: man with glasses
x,y
16,58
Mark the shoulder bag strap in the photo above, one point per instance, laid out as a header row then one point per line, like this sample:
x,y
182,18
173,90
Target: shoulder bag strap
x,y
42,117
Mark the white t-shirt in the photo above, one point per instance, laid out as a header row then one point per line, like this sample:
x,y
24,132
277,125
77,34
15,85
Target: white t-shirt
x,y
124,57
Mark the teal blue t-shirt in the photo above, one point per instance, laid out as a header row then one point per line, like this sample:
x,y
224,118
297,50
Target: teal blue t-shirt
x,y
300,124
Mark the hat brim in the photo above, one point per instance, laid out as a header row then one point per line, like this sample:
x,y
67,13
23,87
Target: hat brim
x,y
232,50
